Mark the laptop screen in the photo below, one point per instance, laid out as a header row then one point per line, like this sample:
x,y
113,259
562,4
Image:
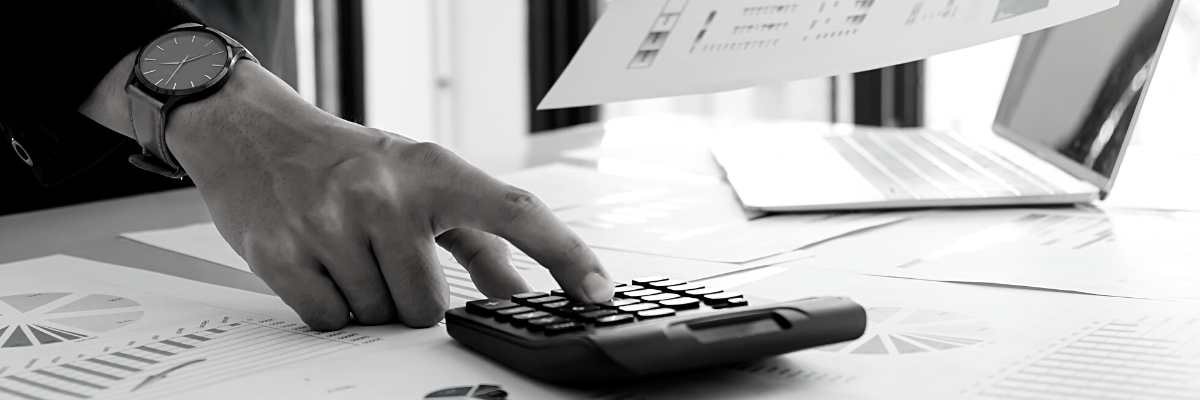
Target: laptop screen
x,y
1074,90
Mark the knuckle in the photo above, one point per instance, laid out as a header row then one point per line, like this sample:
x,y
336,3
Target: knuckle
x,y
521,204
319,317
373,309
372,317
428,155
577,251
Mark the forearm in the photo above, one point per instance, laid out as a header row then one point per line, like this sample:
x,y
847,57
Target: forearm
x,y
228,127
108,104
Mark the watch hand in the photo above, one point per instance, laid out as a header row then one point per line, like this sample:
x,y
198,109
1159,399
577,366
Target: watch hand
x,y
177,69
206,55
191,59
185,60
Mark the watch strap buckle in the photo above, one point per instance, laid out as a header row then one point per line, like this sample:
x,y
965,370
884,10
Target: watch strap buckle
x,y
149,126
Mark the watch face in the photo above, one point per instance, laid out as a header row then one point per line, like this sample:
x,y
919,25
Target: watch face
x,y
183,61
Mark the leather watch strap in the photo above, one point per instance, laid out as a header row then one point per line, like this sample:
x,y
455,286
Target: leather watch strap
x,y
149,125
148,116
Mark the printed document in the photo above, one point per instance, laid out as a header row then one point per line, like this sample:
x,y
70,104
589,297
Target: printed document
x,y
72,328
1130,253
654,48
925,340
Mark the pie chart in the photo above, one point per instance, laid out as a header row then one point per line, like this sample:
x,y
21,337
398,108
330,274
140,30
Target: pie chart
x,y
900,330
41,319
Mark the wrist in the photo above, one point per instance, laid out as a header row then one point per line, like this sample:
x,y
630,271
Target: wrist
x,y
252,119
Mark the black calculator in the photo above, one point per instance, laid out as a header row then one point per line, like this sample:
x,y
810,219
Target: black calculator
x,y
652,326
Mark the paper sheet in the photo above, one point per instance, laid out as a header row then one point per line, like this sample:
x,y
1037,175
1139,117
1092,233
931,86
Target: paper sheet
x,y
201,241
925,340
1130,253
654,48
705,223
72,328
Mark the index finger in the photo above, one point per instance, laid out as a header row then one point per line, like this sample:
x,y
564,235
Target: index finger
x,y
522,219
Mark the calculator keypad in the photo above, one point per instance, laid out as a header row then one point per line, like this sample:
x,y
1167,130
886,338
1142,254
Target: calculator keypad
x,y
644,299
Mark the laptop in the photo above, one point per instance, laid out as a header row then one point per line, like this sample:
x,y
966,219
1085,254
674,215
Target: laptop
x,y
1065,119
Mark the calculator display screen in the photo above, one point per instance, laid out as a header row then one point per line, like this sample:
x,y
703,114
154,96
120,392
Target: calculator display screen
x,y
743,328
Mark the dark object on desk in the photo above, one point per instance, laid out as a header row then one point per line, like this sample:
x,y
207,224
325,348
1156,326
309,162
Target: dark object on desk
x,y
646,330
481,391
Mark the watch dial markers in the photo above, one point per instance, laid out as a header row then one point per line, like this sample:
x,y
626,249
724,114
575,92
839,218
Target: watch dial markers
x,y
193,60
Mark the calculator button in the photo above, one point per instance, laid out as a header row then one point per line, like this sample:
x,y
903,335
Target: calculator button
x,y
555,306
616,319
661,297
684,287
519,319
488,307
591,315
520,298
543,300
720,298
618,302
505,314
558,292
702,292
639,307
642,293
578,308
737,302
539,324
618,291
665,283
564,327
648,279
682,303
656,313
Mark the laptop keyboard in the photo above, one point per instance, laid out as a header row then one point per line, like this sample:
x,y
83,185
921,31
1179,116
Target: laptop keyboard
x,y
935,165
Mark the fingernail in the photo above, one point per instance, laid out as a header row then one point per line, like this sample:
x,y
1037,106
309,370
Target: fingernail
x,y
597,288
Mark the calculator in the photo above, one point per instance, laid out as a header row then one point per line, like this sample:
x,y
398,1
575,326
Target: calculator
x,y
652,326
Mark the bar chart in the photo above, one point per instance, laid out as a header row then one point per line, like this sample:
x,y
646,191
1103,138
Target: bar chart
x,y
1144,358
216,352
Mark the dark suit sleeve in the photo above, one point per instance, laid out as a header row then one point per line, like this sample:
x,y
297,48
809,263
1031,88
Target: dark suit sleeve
x,y
55,54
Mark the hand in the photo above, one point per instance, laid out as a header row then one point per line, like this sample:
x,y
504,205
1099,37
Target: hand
x,y
339,219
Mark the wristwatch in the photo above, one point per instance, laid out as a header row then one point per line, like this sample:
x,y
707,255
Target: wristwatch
x,y
185,64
